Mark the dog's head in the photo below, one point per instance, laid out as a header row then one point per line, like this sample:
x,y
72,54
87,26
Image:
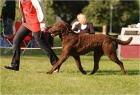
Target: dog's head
x,y
60,28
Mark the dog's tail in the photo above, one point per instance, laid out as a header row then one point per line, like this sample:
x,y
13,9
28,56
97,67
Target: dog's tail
x,y
120,41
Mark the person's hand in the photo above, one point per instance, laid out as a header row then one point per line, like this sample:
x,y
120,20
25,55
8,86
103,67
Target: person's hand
x,y
43,29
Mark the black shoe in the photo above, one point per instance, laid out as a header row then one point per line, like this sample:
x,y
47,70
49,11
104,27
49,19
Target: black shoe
x,y
11,68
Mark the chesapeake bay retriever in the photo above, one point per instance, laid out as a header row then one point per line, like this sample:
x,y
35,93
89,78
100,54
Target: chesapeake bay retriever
x,y
74,44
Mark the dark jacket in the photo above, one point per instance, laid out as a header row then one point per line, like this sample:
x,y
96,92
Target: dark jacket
x,y
88,29
8,9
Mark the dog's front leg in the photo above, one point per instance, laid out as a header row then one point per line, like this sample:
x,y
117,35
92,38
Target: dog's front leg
x,y
58,63
78,63
97,56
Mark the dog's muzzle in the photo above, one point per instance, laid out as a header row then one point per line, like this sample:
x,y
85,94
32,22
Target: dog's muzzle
x,y
54,33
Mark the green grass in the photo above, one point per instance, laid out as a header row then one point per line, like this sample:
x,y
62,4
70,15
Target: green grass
x,y
32,77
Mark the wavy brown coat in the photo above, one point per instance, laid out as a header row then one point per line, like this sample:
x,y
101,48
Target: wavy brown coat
x,y
78,44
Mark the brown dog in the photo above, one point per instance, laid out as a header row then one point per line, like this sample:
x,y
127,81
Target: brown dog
x,y
78,44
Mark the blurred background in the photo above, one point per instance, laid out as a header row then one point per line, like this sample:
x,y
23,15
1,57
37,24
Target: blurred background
x,y
114,14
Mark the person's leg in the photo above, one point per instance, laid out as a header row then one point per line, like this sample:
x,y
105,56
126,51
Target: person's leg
x,y
40,38
20,35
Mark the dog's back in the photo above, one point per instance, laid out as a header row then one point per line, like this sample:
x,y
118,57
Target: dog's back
x,y
84,43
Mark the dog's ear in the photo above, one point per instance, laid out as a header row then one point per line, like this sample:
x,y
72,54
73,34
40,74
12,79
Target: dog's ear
x,y
67,28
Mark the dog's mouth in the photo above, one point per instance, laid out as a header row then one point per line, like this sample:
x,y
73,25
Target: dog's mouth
x,y
54,33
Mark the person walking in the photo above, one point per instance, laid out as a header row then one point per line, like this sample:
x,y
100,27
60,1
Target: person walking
x,y
34,20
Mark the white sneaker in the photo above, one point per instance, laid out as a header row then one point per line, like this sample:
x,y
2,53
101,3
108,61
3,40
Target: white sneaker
x,y
56,71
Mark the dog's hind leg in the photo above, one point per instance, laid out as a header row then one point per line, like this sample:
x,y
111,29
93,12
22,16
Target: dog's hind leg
x,y
116,60
97,56
78,63
113,57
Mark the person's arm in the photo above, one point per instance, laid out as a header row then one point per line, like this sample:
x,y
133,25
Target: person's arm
x,y
41,15
91,29
74,24
76,28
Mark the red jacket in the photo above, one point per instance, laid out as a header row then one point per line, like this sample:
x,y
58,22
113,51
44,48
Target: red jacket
x,y
30,16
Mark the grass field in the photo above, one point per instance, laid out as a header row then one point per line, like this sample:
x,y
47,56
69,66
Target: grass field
x,y
32,78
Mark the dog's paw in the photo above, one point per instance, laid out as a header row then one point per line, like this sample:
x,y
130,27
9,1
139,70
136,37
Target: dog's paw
x,y
92,73
84,72
48,72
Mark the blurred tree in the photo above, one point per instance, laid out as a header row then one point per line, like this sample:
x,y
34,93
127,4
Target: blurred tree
x,y
49,12
18,15
124,13
1,5
68,10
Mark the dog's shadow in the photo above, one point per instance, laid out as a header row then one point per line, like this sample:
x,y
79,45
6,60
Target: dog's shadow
x,y
104,72
115,72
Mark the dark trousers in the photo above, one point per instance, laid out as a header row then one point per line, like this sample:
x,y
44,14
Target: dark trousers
x,y
39,37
